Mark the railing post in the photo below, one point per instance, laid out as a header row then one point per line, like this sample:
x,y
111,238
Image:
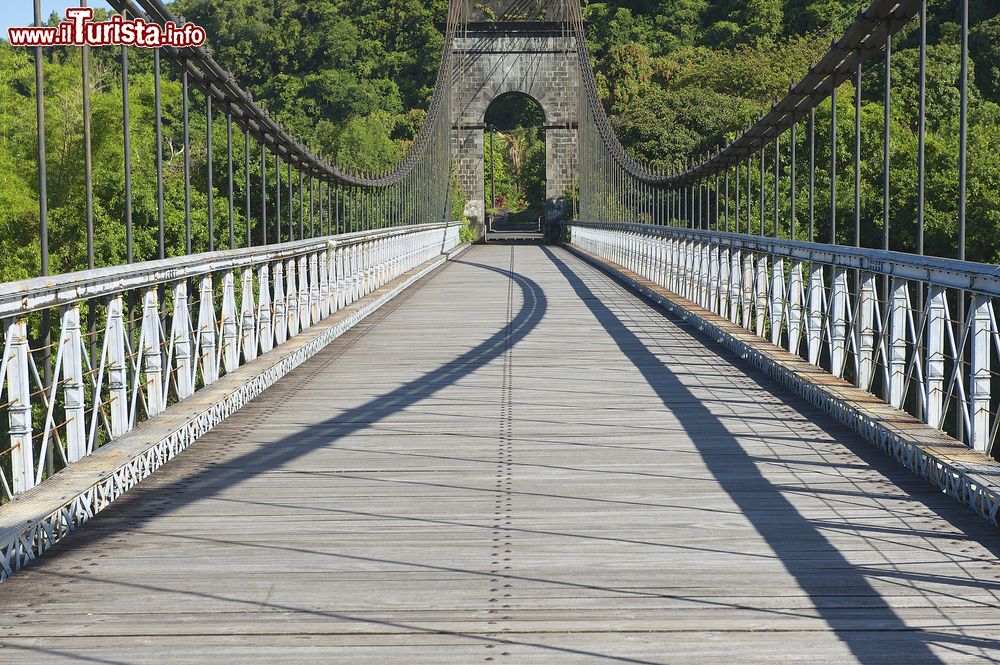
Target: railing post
x,y
328,271
72,376
184,375
662,261
230,343
354,276
711,275
350,273
365,256
746,296
724,282
691,271
117,372
814,342
777,299
936,318
371,259
292,287
322,280
760,290
152,361
979,379
317,287
651,255
704,275
19,411
340,285
248,318
383,263
305,286
735,291
838,319
644,257
380,261
795,293
280,323
866,330
346,272
206,331
265,325
897,344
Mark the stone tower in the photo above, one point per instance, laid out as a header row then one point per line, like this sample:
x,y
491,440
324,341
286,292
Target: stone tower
x,y
515,46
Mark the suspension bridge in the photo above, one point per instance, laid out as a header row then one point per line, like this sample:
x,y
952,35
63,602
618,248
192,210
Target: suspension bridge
x,y
662,435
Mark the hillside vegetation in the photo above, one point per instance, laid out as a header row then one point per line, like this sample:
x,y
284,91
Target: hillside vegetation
x,y
353,80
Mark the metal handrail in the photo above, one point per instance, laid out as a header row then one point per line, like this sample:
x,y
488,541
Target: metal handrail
x,y
39,293
978,278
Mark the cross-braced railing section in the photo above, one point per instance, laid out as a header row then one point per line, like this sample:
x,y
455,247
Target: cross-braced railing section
x,y
166,329
888,322
88,355
198,148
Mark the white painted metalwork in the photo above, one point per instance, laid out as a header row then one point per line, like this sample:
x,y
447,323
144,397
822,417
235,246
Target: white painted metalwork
x,y
159,331
883,320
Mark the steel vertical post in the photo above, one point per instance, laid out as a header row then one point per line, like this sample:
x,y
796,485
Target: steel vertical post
x,y
963,125
210,188
792,185
833,166
263,189
812,174
229,173
921,126
246,185
158,120
87,156
886,119
43,197
187,162
857,156
127,154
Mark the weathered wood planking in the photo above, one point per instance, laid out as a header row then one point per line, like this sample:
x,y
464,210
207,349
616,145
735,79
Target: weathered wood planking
x,y
542,469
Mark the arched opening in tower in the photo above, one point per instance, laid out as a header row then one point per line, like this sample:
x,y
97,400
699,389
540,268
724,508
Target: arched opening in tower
x,y
514,163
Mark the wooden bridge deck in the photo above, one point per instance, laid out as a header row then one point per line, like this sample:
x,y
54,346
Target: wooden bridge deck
x,y
519,461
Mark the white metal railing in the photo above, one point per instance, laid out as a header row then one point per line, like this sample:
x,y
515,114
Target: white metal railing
x,y
919,332
128,341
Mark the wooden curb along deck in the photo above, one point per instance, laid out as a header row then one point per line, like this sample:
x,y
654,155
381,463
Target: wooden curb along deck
x,y
964,474
39,518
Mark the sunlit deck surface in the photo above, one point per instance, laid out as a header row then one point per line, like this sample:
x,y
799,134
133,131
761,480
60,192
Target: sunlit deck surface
x,y
519,461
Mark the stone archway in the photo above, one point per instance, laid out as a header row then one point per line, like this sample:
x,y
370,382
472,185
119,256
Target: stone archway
x,y
519,124
533,54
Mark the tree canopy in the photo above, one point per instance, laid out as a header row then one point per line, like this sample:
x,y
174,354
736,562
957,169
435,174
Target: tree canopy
x,y
353,78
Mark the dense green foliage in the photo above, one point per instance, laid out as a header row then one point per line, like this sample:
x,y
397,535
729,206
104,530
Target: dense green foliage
x,y
353,80
350,79
681,77
65,157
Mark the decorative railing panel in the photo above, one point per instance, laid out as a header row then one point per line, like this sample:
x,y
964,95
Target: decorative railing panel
x,y
129,341
886,321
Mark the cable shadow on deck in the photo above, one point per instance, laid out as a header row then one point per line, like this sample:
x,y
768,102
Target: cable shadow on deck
x,y
759,508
